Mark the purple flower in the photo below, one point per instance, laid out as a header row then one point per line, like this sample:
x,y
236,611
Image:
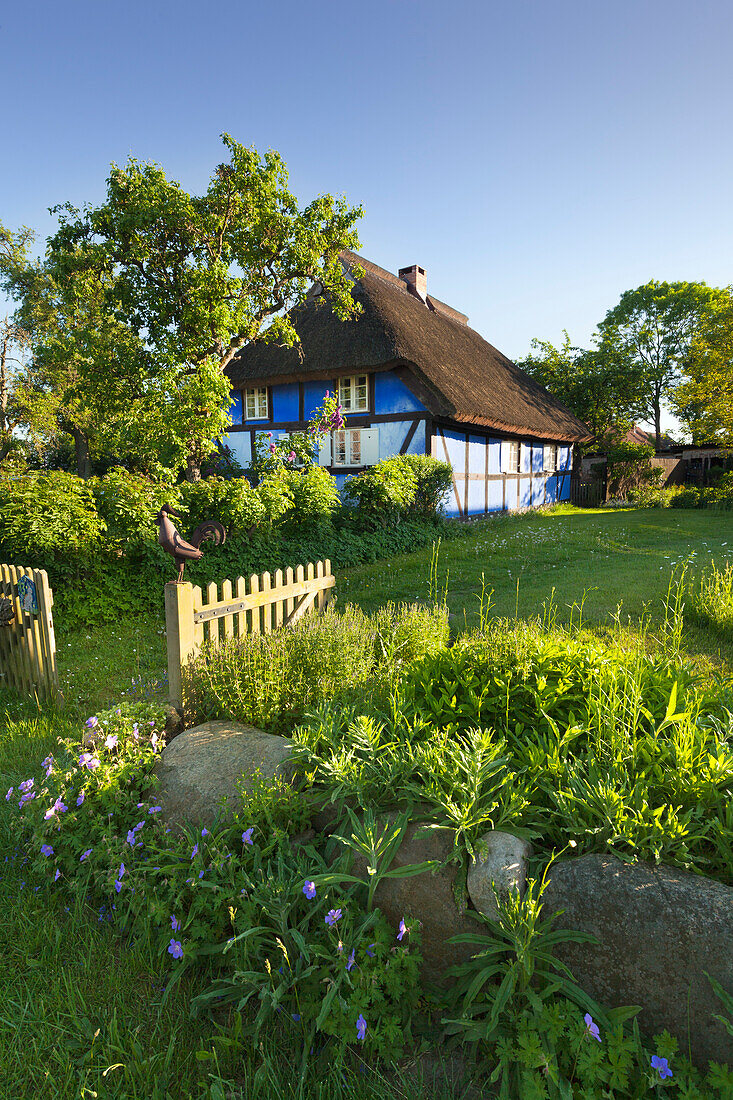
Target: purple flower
x,y
309,889
247,835
352,960
295,1016
131,838
175,949
201,874
272,448
403,929
111,741
26,798
660,1065
118,885
91,723
175,923
204,832
195,851
118,711
57,808
155,809
591,1028
25,786
368,950
291,456
332,916
85,855
361,1026
46,850
121,871
80,799
9,794
57,876
87,760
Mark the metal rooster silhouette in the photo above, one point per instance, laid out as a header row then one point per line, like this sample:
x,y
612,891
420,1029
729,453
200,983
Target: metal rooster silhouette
x,y
180,550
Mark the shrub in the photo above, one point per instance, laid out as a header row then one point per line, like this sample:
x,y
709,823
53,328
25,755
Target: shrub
x,y
629,466
47,514
128,503
384,491
233,502
314,497
433,479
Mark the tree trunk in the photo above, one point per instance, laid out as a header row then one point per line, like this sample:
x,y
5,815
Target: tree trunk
x,y
193,468
657,426
83,458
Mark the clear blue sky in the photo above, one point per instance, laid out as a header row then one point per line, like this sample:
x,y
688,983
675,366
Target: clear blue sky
x,y
537,158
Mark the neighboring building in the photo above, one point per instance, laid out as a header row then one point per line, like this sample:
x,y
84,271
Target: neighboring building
x,y
412,378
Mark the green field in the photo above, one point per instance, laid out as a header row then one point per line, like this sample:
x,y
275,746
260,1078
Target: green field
x,y
65,976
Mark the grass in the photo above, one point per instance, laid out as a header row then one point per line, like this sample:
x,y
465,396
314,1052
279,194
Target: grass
x,y
66,975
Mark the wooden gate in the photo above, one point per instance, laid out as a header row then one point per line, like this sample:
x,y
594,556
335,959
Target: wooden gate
x,y
27,644
271,602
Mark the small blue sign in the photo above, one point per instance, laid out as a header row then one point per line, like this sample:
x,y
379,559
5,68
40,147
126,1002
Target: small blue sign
x,y
27,595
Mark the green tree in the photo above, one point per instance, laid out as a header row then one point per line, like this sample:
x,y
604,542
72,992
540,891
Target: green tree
x,y
703,400
598,384
652,328
189,280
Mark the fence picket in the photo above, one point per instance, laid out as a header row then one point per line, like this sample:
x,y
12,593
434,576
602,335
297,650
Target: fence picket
x,y
254,587
268,606
28,646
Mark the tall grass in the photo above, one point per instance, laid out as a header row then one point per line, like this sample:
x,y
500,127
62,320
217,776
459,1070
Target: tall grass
x,y
267,679
710,598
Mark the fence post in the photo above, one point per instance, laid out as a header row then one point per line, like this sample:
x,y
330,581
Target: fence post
x,y
180,636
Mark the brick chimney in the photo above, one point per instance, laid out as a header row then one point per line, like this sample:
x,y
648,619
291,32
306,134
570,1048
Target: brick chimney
x,y
416,280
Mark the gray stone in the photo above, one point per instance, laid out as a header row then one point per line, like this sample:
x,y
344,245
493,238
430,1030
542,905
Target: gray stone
x,y
658,929
429,897
501,858
203,765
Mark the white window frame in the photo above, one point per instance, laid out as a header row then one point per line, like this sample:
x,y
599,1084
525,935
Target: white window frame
x,y
549,466
260,399
513,466
354,393
346,447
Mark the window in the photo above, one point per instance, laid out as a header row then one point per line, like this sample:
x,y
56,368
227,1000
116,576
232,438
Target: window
x,y
550,457
511,458
256,404
347,448
354,393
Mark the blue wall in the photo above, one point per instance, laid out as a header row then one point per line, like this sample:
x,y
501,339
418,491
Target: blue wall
x,y
235,411
391,395
285,403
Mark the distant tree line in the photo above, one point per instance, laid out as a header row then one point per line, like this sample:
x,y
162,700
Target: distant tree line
x,y
664,345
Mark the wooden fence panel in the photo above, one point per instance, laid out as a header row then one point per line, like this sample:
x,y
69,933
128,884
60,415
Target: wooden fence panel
x,y
28,644
190,621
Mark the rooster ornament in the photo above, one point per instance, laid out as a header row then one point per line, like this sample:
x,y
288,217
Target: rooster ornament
x,y
180,550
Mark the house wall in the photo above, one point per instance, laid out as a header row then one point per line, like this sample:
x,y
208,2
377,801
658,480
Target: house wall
x,y
404,426
480,485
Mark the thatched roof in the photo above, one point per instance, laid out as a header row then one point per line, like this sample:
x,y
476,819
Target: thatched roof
x,y
458,374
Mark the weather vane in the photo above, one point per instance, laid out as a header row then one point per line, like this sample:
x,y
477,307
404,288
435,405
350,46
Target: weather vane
x,y
180,550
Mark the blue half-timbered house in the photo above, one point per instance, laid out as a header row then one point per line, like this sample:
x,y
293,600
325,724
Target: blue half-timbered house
x,y
412,378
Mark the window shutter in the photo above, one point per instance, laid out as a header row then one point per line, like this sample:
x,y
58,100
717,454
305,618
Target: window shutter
x,y
369,446
324,454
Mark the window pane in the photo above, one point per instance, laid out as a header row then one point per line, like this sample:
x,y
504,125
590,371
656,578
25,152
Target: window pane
x,y
355,447
339,448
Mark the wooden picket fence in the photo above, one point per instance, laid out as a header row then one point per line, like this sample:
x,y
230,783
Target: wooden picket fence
x,y
259,605
28,645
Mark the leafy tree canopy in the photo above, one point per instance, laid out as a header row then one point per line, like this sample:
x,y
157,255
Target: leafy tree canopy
x,y
598,385
703,401
653,328
151,295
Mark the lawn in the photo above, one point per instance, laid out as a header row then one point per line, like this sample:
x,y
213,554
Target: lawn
x,y
67,976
